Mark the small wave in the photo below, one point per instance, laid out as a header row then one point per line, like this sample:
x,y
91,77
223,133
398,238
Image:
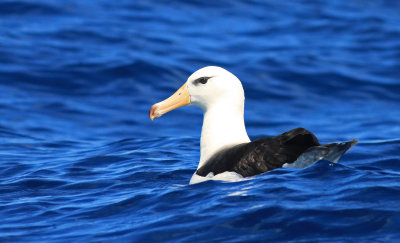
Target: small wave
x,y
28,8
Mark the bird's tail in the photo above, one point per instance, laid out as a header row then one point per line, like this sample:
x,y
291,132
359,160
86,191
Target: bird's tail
x,y
331,152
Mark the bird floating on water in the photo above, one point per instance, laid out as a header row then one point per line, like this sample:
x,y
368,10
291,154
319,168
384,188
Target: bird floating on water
x,y
225,146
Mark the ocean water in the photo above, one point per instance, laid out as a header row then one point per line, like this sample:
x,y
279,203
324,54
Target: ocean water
x,y
80,160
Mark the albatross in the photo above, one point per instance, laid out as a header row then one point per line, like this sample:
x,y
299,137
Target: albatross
x,y
225,147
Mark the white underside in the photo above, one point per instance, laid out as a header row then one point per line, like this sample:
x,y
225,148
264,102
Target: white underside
x,y
228,176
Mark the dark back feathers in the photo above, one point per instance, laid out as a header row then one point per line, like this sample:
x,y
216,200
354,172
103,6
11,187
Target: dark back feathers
x,y
261,155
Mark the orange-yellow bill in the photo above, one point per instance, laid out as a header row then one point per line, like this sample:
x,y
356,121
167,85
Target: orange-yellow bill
x,y
180,98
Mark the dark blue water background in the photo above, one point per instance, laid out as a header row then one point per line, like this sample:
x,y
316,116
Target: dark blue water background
x,y
81,161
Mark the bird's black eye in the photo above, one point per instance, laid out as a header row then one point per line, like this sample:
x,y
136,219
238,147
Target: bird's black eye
x,y
202,80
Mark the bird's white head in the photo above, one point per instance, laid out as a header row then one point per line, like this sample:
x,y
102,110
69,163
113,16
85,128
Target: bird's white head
x,y
207,87
212,85
220,95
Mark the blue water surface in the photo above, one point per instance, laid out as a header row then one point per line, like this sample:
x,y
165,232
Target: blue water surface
x,y
80,160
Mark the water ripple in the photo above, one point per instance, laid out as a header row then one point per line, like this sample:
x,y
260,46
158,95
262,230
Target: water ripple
x,y
81,161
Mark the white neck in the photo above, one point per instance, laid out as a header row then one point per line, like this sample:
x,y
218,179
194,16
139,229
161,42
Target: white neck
x,y
223,127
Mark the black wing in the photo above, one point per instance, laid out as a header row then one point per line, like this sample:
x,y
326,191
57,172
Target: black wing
x,y
261,155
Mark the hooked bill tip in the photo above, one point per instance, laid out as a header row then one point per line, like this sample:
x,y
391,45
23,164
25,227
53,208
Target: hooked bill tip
x,y
152,113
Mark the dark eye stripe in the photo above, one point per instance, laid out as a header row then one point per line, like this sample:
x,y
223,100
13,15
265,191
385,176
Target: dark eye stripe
x,y
202,80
